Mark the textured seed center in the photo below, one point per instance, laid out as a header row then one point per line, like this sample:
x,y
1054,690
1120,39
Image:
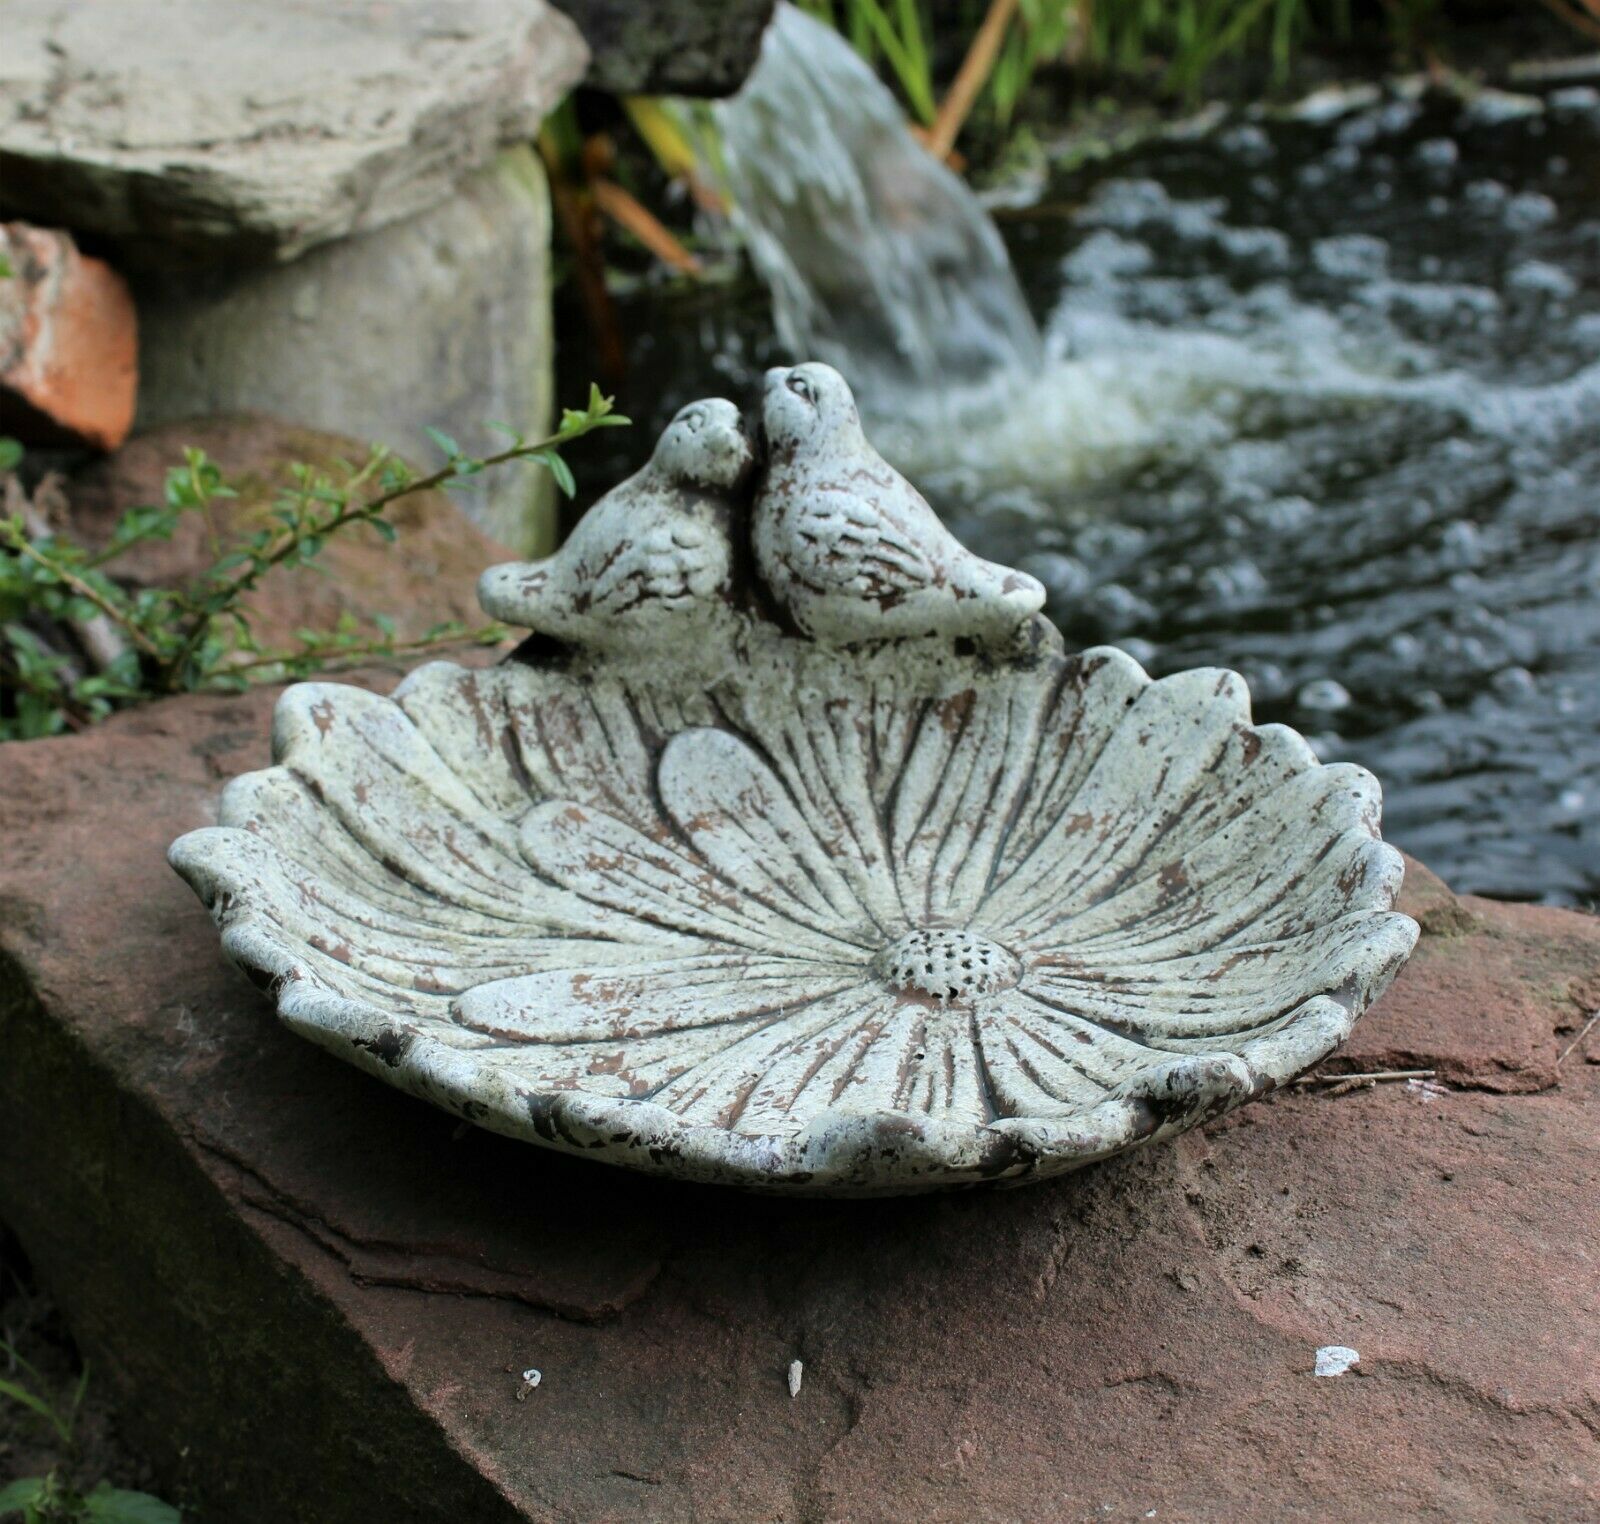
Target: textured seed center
x,y
948,965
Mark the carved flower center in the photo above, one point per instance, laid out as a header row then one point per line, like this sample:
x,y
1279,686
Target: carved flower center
x,y
948,965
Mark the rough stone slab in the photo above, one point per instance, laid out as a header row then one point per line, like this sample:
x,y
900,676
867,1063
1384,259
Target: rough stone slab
x,y
69,343
442,320
670,47
324,1290
259,129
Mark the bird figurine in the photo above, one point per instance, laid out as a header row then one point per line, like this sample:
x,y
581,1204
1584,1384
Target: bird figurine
x,y
652,560
850,549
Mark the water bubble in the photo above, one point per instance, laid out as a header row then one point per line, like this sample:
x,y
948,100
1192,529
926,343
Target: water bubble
x,y
1266,248
1127,204
1529,212
1239,582
1110,542
1575,100
1493,108
1284,515
1436,153
1117,608
1406,649
1513,683
1247,142
1350,256
1585,331
1325,695
1104,257
1065,578
1461,543
1539,278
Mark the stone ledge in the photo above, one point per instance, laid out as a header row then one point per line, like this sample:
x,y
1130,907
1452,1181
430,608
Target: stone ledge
x,y
324,1292
254,131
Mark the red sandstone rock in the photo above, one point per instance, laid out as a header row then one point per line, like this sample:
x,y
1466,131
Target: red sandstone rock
x,y
427,577
317,1296
69,343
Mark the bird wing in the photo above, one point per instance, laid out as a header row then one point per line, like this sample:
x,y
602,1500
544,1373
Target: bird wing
x,y
668,562
848,543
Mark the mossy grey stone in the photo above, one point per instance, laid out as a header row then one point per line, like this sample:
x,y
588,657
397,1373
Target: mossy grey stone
x,y
671,47
442,319
191,130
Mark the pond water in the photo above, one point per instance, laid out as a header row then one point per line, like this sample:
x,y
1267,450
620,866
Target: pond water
x,y
1320,402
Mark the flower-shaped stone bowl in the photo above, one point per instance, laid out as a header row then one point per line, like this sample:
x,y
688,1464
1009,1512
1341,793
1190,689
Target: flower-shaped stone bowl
x,y
825,917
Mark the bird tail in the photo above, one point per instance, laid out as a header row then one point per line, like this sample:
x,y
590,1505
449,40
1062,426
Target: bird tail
x,y
1003,600
512,592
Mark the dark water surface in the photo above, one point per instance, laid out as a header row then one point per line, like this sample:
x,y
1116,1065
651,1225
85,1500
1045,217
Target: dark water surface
x,y
1323,405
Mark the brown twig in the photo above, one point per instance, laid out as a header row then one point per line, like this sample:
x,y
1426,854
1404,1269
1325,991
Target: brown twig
x,y
629,214
579,221
1588,1026
290,541
344,656
100,638
1374,1077
1580,21
20,543
975,69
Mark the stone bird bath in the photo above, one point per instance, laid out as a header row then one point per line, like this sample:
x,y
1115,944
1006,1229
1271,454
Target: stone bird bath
x,y
708,881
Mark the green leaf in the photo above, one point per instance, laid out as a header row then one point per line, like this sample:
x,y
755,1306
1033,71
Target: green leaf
x,y
10,454
562,473
557,467
113,1505
451,449
386,529
37,1406
21,1494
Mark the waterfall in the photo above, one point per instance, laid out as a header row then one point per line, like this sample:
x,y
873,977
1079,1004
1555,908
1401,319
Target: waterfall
x,y
880,260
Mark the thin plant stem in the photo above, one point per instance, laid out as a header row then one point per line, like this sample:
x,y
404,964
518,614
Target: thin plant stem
x,y
20,543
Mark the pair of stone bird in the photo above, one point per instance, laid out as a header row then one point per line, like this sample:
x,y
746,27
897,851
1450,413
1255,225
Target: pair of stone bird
x,y
848,549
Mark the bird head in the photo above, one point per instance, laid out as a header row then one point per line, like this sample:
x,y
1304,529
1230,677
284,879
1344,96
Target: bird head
x,y
705,445
808,404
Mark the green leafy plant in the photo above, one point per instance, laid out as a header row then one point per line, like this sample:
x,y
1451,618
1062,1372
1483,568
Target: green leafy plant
x,y
57,1497
893,31
75,644
1175,45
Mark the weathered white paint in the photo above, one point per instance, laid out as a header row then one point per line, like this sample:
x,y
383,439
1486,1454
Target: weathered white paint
x,y
794,914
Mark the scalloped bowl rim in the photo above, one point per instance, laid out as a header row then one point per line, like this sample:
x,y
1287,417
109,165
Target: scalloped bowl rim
x,y
882,1152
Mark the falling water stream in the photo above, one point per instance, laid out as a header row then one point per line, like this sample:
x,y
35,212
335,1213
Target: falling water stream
x,y
1317,399
879,259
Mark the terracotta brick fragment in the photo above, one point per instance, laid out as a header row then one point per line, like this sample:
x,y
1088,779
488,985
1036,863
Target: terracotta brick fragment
x,y
69,343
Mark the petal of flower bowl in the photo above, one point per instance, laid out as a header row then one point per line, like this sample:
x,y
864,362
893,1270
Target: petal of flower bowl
x,y
797,912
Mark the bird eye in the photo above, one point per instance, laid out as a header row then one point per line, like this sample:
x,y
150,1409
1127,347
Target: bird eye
x,y
693,419
801,388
